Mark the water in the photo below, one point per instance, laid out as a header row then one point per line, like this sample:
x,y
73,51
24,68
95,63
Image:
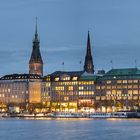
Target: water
x,y
70,129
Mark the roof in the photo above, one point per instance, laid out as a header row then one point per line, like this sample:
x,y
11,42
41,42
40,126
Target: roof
x,y
70,73
125,73
20,76
87,76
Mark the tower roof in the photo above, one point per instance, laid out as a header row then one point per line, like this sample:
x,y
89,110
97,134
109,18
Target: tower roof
x,y
88,66
36,55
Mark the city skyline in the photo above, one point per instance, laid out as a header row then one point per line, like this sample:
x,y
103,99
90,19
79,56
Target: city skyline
x,y
63,34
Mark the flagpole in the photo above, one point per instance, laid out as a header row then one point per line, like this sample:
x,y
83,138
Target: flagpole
x,y
63,66
80,62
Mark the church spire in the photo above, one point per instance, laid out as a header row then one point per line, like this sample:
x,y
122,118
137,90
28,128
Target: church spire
x,y
36,62
88,66
36,33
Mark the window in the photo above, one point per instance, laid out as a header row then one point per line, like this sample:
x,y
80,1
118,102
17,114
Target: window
x,y
108,82
135,91
129,91
74,78
108,92
81,88
70,88
119,81
124,81
56,79
97,87
113,91
135,81
119,91
129,81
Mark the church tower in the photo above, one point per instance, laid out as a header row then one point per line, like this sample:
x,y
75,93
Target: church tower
x,y
88,66
36,62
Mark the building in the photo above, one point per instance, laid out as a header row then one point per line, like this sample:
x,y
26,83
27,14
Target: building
x,y
24,89
85,91
20,90
119,89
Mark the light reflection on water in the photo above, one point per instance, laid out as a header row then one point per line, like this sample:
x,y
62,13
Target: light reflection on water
x,y
69,129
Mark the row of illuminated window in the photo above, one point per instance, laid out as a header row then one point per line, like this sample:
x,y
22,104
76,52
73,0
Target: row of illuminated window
x,y
85,92
86,82
119,95
118,87
48,84
59,88
13,96
89,87
120,91
123,81
118,98
5,90
65,83
65,78
70,88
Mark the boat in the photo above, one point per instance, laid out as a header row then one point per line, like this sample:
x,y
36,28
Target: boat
x,y
100,115
65,115
120,114
124,114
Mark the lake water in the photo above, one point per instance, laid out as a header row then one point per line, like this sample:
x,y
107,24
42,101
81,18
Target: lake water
x,y
69,129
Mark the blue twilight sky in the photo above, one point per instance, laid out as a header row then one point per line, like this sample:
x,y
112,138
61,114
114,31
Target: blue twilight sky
x,y
62,25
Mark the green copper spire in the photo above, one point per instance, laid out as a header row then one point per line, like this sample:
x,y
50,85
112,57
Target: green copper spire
x,y
88,67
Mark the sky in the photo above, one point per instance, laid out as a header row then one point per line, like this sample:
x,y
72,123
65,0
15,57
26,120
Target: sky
x,y
63,25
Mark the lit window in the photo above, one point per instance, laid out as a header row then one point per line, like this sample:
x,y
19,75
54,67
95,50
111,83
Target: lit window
x,y
70,88
108,87
119,81
135,91
135,81
108,82
129,81
124,81
113,91
81,88
108,92
119,91
56,79
97,87
74,78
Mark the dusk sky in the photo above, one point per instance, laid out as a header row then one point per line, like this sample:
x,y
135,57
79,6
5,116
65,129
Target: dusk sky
x,y
62,26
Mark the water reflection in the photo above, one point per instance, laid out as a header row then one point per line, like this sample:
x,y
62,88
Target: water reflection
x,y
69,129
